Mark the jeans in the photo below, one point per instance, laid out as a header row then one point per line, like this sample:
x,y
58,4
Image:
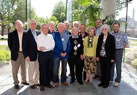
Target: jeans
x,y
118,63
56,69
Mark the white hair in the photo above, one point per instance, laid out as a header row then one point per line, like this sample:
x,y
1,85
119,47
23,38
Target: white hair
x,y
105,26
52,22
60,24
75,22
19,21
66,22
33,20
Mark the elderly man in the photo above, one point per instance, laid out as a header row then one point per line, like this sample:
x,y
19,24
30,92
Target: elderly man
x,y
76,24
98,32
75,57
67,24
30,49
52,28
121,43
45,44
15,42
61,53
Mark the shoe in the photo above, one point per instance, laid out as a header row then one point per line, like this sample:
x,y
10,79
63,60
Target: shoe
x,y
25,83
80,82
16,86
105,86
65,83
72,81
95,77
56,84
32,87
37,84
50,86
42,88
116,84
100,85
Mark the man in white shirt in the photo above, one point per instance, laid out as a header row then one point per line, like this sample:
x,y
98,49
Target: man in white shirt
x,y
45,43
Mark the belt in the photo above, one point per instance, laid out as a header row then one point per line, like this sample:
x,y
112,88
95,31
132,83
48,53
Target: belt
x,y
120,49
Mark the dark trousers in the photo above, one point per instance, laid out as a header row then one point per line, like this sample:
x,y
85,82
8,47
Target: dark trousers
x,y
45,67
105,64
76,67
84,73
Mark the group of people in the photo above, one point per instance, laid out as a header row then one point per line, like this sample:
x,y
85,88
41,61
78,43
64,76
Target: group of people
x,y
96,51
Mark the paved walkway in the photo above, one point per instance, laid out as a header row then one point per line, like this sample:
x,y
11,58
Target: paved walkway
x,y
128,86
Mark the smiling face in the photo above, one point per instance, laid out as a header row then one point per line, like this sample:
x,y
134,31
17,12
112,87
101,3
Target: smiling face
x,y
33,25
60,28
91,32
52,27
19,26
82,28
75,31
116,28
98,23
44,29
105,30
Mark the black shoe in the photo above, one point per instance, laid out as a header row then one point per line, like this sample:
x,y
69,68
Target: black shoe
x,y
95,77
32,87
105,86
42,88
16,86
37,84
80,82
72,81
101,85
25,83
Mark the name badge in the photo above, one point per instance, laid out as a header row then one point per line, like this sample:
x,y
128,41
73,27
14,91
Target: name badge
x,y
62,39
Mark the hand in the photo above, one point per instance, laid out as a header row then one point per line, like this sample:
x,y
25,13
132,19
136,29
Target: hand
x,y
81,57
28,59
94,57
112,61
42,48
63,54
97,58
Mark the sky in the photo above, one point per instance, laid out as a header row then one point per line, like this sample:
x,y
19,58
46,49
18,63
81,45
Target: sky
x,y
44,8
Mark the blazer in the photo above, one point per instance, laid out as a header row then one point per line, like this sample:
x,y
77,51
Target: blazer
x,y
109,46
13,43
58,49
30,46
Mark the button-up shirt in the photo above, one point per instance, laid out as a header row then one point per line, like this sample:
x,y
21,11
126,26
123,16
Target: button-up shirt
x,y
20,35
120,39
46,41
98,32
34,34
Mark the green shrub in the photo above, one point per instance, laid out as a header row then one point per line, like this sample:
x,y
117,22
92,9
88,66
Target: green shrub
x,y
134,63
4,55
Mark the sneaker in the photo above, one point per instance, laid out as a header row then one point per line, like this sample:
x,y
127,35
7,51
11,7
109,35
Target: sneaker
x,y
116,84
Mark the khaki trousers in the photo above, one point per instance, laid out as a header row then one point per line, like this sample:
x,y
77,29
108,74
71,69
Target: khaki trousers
x,y
19,63
33,72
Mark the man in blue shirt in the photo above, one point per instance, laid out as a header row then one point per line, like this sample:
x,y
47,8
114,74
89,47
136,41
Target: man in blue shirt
x,y
61,53
121,42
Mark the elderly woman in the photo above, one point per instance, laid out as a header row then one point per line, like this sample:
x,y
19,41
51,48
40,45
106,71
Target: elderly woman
x,y
90,44
105,54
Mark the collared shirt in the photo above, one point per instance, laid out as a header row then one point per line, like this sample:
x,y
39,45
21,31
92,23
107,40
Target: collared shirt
x,y
98,32
34,34
120,39
46,41
64,39
75,37
20,35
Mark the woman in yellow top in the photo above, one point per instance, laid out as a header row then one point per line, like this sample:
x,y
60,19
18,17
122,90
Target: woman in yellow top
x,y
90,44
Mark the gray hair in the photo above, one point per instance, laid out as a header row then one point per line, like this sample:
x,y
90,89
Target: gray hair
x,y
44,24
66,22
92,27
105,26
33,20
75,22
60,24
52,22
